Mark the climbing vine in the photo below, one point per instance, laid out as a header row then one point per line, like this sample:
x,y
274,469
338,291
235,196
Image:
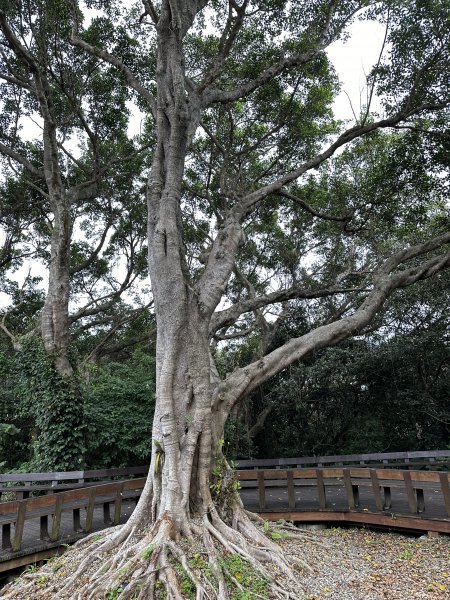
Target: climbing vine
x,y
55,404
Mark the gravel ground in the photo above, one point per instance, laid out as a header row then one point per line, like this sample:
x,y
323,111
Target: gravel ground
x,y
358,564
348,564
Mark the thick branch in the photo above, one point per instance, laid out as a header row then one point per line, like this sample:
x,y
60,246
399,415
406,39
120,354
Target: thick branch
x,y
223,253
20,50
7,151
251,200
244,380
212,96
16,81
113,60
260,421
228,316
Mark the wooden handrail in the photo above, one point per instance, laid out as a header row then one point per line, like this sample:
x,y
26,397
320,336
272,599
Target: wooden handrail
x,y
43,507
73,475
413,483
376,482
391,459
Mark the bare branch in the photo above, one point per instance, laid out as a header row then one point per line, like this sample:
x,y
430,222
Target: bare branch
x,y
5,330
16,81
150,10
91,258
96,352
372,87
260,421
233,336
212,96
312,211
21,52
231,29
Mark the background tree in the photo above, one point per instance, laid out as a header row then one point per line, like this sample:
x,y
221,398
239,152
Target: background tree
x,y
58,147
241,118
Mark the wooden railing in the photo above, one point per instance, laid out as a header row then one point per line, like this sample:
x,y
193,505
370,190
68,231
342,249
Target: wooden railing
x,y
379,483
294,493
23,484
52,506
431,459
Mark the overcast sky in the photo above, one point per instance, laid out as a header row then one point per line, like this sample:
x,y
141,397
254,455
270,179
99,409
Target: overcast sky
x,y
353,60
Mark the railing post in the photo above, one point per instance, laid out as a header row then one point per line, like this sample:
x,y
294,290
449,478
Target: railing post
x,y
410,492
376,489
443,478
118,505
18,529
291,490
261,491
90,510
56,524
321,489
349,487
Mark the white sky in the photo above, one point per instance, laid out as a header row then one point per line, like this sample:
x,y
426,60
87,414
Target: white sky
x,y
352,60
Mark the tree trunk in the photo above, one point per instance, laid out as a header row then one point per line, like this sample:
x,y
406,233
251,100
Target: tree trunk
x,y
183,433
55,313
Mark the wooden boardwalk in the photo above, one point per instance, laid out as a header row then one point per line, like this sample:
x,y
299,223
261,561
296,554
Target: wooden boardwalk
x,y
34,549
34,528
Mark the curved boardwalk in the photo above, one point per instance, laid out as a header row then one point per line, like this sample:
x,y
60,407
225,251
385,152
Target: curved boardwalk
x,y
34,528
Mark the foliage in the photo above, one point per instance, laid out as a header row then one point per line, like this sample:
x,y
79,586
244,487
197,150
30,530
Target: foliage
x,y
119,403
105,421
14,425
55,405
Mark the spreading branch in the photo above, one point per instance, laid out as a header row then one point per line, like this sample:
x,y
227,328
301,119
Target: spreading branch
x,y
387,279
107,57
17,157
228,316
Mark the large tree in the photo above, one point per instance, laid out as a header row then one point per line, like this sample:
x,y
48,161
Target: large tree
x,y
239,94
59,154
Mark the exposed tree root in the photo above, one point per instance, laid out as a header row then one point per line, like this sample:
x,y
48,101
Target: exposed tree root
x,y
208,565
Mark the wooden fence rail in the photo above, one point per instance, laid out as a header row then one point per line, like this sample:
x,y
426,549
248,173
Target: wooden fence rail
x,y
395,498
51,507
23,484
377,483
434,459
